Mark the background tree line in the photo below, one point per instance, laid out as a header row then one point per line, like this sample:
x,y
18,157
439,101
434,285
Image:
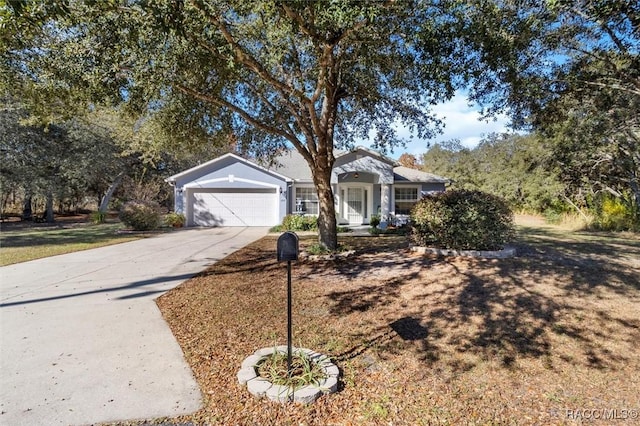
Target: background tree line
x,y
96,161
531,174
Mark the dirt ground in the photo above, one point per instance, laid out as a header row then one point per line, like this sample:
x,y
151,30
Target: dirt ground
x,y
67,220
551,336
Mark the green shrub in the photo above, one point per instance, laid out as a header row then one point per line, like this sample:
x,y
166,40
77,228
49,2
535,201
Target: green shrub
x,y
98,217
175,219
462,220
616,215
294,222
140,215
374,221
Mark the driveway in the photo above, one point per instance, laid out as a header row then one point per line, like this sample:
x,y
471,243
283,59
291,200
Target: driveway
x,y
82,340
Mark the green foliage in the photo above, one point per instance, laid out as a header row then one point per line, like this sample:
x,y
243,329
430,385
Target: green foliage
x,y
614,214
256,74
174,219
462,220
140,215
513,167
304,370
294,222
318,249
98,217
374,221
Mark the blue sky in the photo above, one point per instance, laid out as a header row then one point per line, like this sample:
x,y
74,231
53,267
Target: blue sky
x,y
461,122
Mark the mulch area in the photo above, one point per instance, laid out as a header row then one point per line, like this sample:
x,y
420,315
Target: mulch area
x,y
422,339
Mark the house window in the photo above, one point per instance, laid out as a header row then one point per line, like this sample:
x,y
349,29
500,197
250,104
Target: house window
x,y
306,201
405,198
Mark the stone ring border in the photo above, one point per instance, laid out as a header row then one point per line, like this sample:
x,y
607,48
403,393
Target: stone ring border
x,y
260,387
505,253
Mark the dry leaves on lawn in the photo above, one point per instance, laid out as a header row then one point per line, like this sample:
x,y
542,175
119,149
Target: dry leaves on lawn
x,y
424,340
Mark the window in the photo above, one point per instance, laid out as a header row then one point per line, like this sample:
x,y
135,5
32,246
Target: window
x,y
306,201
405,198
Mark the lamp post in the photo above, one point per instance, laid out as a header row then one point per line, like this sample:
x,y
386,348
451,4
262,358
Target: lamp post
x,y
288,250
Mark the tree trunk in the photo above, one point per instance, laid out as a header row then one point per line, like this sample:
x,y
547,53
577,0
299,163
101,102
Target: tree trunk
x,y
49,210
327,224
104,203
27,210
635,189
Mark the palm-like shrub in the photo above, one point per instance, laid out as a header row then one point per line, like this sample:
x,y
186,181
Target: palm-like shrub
x,y
462,220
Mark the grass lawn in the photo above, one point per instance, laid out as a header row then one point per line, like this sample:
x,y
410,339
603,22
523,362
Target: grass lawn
x,y
19,243
533,339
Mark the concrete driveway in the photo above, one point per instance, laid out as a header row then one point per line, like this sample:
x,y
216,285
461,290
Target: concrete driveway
x,y
82,340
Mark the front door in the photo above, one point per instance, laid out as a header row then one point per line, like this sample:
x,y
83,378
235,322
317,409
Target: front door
x,y
355,205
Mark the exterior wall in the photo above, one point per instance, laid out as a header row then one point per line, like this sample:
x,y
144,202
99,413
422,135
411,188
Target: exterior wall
x,y
178,200
377,200
363,177
433,187
423,188
229,172
223,169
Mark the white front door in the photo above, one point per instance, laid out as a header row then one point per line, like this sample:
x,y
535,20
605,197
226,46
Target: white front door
x,y
355,205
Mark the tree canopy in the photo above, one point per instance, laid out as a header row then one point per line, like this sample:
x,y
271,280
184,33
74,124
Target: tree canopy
x,y
312,75
315,75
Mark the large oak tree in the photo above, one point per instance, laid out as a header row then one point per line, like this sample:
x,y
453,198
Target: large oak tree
x,y
312,75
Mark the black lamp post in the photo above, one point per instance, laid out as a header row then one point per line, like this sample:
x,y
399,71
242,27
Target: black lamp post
x,y
288,249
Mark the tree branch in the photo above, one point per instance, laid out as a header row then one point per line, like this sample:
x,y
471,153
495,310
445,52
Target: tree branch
x,y
240,111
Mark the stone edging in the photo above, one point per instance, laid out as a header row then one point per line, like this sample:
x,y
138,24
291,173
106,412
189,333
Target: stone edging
x,y
487,254
260,387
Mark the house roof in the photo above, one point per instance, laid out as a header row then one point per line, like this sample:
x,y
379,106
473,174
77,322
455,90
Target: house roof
x,y
370,152
206,165
290,165
406,174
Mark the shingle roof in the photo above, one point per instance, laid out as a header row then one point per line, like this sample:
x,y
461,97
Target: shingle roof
x,y
406,174
291,164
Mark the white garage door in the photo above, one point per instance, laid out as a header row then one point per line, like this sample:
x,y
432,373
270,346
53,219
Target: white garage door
x,y
234,207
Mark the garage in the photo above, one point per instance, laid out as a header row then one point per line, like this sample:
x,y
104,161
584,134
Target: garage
x,y
234,207
230,191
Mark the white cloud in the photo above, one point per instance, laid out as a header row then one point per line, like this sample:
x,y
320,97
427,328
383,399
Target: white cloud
x,y
461,122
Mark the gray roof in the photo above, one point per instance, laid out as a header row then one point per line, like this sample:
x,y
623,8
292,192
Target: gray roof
x,y
406,174
290,163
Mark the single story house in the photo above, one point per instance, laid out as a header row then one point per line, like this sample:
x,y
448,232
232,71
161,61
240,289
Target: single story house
x,y
233,191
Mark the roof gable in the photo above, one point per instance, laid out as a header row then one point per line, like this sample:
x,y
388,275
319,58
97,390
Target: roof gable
x,y
291,163
361,151
206,168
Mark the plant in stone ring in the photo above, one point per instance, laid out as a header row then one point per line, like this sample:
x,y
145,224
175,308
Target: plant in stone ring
x,y
304,370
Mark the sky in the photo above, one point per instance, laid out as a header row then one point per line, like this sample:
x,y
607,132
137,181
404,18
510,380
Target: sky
x,y
461,122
